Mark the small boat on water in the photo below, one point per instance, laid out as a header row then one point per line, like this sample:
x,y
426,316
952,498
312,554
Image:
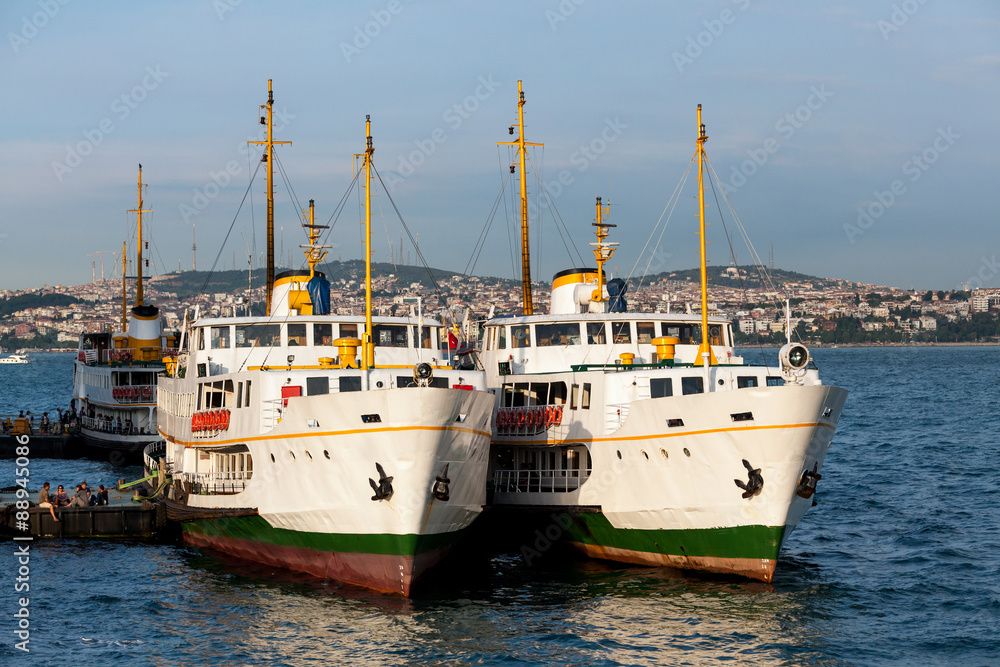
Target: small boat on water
x,y
336,445
644,434
15,358
115,373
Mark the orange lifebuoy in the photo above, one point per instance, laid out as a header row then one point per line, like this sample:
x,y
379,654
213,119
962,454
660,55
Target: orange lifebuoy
x,y
225,421
147,392
557,413
501,418
519,417
195,422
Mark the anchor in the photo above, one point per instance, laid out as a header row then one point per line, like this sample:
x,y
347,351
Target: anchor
x,y
440,489
383,490
807,483
754,483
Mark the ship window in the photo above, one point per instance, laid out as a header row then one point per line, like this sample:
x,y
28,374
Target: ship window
x,y
557,393
220,338
246,401
199,404
595,333
323,334
645,331
239,395
692,385
621,332
350,383
538,394
558,334
296,334
683,332
574,394
520,336
585,396
202,372
317,386
390,335
502,333
660,387
348,330
201,339
775,381
520,394
507,397
744,381
425,338
258,335
228,389
715,333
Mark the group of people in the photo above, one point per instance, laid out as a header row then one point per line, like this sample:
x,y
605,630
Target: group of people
x,y
83,497
45,426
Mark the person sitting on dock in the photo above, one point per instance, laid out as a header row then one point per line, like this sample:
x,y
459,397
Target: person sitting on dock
x,y
82,497
101,497
61,498
44,500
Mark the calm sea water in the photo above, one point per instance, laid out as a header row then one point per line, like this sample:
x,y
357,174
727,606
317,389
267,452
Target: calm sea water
x,y
898,564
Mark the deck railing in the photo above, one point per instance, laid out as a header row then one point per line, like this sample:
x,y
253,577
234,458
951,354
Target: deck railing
x,y
218,482
538,481
108,426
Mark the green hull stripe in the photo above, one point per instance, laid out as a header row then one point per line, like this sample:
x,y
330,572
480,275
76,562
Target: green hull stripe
x,y
256,529
735,542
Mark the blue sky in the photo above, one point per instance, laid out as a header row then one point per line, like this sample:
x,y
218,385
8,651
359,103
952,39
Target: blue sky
x,y
858,138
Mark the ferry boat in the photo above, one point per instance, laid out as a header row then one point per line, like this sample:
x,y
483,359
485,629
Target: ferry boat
x,y
336,445
15,358
643,436
115,372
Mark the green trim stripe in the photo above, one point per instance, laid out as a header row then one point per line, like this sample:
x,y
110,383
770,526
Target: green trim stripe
x,y
256,529
734,542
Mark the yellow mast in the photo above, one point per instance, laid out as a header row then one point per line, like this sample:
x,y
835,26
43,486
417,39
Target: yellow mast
x,y
139,211
124,264
267,119
602,251
367,344
706,356
314,253
525,255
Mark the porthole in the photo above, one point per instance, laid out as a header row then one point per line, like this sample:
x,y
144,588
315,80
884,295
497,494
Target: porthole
x,y
721,382
664,454
379,384
326,453
686,452
309,455
643,452
292,454
272,458
619,453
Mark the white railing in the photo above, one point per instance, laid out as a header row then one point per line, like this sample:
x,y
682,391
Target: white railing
x,y
538,481
125,355
218,482
109,426
152,453
270,413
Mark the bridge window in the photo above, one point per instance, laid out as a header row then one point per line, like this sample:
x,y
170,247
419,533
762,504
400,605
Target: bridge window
x,y
348,330
424,336
296,334
258,335
520,336
574,394
557,393
585,396
621,332
390,335
595,333
684,332
557,334
317,386
645,331
323,334
744,381
350,383
220,338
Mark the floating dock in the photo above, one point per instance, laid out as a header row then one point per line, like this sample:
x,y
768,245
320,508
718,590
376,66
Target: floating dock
x,y
121,518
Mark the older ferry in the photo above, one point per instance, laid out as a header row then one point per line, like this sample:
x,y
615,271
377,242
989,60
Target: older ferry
x,y
644,436
115,373
340,446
